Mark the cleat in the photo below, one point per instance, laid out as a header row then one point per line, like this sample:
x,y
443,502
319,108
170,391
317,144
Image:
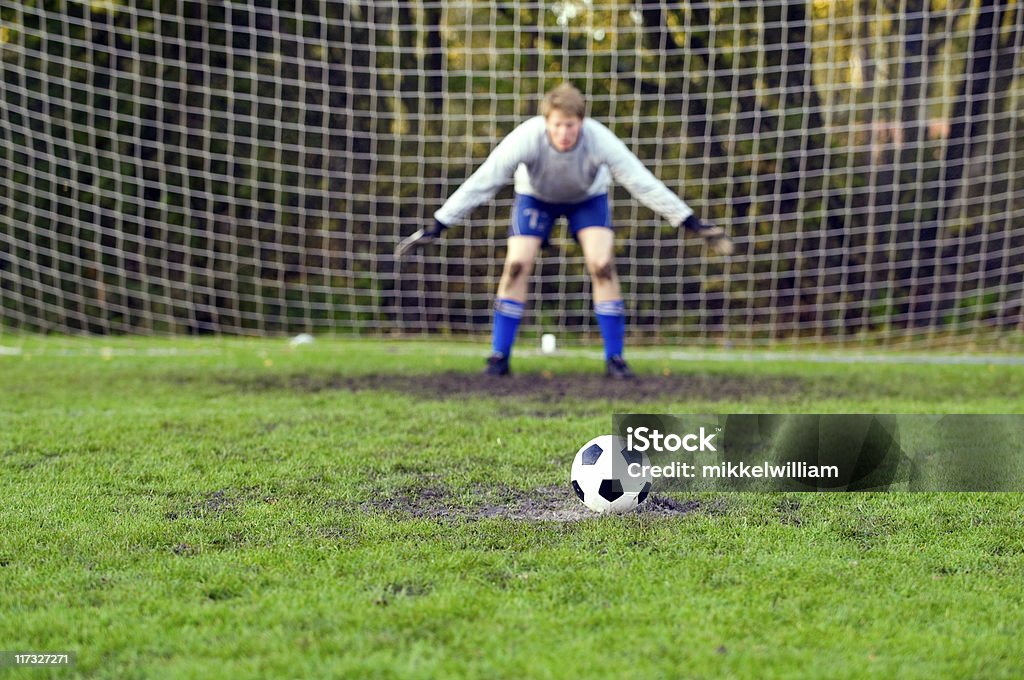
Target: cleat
x,y
617,369
497,364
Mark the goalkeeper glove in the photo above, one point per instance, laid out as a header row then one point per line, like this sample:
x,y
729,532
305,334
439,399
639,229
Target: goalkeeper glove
x,y
421,238
718,241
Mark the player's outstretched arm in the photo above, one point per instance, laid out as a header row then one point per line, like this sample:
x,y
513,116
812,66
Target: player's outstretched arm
x,y
420,238
718,241
481,186
649,190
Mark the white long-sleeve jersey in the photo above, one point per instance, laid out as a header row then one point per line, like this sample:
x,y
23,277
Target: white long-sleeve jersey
x,y
555,176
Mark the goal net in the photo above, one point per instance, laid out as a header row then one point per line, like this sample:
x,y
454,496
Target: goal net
x,y
174,166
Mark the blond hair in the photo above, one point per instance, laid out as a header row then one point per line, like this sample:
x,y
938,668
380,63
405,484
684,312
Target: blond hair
x,y
565,98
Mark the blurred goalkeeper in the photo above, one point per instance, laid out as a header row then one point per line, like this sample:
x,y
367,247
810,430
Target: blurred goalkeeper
x,y
563,163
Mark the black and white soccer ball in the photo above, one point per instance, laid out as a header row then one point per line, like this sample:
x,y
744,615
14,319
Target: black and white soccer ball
x,y
601,476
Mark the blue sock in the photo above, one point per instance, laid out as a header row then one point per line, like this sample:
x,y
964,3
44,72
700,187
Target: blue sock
x,y
611,317
507,314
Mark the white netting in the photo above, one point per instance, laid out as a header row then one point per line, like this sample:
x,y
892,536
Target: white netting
x,y
248,167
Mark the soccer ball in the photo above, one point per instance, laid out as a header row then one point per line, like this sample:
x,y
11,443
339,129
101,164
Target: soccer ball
x,y
601,479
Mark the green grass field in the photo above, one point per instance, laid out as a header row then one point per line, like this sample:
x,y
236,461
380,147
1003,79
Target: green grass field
x,y
178,508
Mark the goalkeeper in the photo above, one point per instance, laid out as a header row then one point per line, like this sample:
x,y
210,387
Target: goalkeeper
x,y
562,163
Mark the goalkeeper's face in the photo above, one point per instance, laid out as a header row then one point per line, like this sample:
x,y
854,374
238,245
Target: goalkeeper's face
x,y
563,129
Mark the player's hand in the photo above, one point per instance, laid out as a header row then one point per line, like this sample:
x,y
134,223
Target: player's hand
x,y
718,241
421,238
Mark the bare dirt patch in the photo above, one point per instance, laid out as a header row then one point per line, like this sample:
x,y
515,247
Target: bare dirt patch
x,y
550,503
544,388
214,503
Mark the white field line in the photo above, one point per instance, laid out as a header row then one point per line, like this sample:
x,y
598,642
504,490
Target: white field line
x,y
464,349
768,356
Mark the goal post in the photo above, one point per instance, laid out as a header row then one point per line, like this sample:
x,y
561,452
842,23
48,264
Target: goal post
x,y
176,166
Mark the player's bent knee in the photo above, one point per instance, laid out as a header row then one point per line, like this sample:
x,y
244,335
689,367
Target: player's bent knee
x,y
515,270
603,271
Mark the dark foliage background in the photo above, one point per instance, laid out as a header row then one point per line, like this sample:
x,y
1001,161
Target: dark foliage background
x,y
248,167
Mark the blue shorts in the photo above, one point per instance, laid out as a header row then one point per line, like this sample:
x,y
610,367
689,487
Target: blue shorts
x,y
534,217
